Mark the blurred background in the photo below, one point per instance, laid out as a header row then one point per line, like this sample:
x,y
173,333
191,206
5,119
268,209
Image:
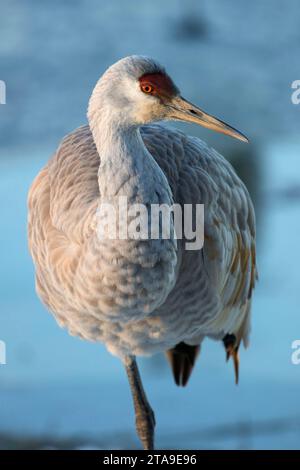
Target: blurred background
x,y
237,60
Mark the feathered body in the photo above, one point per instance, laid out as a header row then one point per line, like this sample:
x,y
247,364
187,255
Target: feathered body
x,y
140,296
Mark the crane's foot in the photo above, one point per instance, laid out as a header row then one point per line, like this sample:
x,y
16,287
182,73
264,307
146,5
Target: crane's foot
x,y
144,415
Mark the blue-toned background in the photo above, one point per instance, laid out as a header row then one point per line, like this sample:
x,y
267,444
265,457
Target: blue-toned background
x,y
237,60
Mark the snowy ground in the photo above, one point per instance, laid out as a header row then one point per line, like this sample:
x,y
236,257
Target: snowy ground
x,y
58,391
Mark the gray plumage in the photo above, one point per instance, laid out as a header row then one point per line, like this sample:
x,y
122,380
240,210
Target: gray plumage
x,y
212,293
140,297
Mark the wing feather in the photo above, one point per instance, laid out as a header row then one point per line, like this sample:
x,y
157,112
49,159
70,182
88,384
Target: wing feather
x,y
229,247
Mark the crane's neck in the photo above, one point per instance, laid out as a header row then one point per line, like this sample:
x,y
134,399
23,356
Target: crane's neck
x,y
128,170
126,166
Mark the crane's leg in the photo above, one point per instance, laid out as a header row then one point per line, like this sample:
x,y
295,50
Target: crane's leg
x,y
144,415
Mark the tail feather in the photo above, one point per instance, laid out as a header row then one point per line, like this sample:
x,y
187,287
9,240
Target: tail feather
x,y
182,359
232,350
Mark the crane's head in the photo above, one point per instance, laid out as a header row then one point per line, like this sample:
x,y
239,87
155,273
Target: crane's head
x,y
138,91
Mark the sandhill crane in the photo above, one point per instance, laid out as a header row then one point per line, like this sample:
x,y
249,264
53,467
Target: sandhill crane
x,y
143,296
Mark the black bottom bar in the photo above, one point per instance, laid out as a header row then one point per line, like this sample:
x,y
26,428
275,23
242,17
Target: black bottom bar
x,y
133,459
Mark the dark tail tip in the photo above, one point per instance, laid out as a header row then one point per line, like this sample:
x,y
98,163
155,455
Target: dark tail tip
x,y
182,359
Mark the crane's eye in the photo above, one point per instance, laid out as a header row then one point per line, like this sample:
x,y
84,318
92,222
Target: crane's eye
x,y
146,88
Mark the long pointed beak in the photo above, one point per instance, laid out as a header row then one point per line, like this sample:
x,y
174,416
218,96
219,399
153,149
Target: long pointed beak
x,y
183,110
